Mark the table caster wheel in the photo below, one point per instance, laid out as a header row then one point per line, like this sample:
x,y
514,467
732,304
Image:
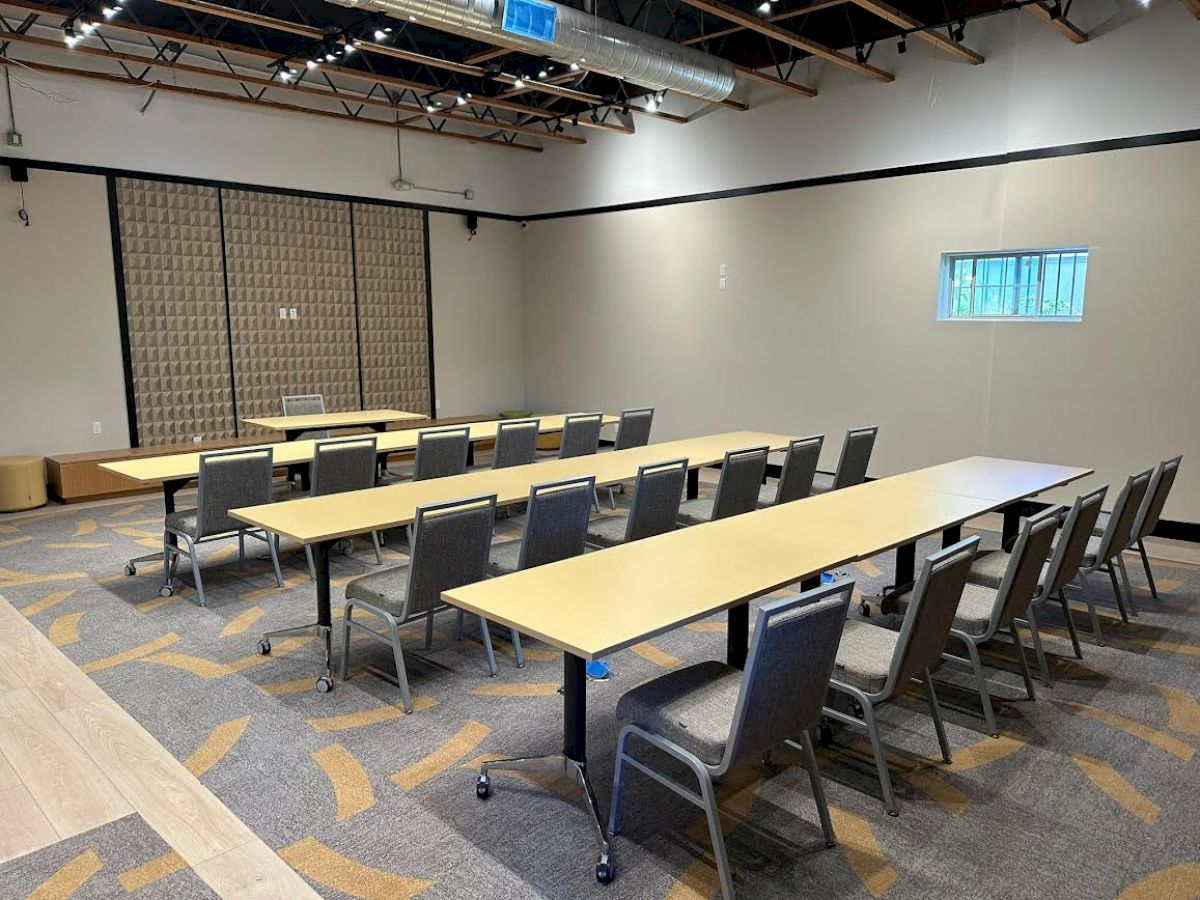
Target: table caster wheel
x,y
324,684
865,609
264,647
130,569
825,738
167,591
604,872
483,787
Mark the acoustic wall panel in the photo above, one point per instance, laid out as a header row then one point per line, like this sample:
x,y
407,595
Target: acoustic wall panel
x,y
393,313
288,252
175,309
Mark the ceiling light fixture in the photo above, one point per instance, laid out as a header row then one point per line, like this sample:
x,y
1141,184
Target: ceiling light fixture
x,y
380,35
109,11
1056,10
902,47
574,67
960,32
518,82
764,7
652,104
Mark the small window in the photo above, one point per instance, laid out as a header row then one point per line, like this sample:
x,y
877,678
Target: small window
x,y
1021,285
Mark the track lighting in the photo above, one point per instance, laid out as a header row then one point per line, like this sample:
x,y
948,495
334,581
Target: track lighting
x,y
110,11
89,27
350,48
70,38
380,35
902,47
575,120
652,104
574,67
764,7
859,55
1056,10
543,71
429,107
462,98
311,63
518,82
959,32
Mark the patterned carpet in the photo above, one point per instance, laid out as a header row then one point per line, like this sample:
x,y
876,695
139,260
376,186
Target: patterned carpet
x,y
1089,792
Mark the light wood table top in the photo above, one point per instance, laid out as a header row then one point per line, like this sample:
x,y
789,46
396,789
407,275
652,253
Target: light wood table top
x,y
314,519
150,470
992,478
355,418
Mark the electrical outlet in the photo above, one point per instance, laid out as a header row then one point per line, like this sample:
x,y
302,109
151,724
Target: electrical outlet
x,y
282,312
97,428
14,139
196,438
437,405
292,312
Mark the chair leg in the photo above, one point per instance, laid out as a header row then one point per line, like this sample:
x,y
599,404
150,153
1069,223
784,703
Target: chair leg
x,y
312,568
487,645
618,791
1038,650
241,549
1066,608
271,546
1125,583
401,671
458,627
1146,565
1097,634
612,501
1020,651
885,778
516,642
378,552
818,789
168,552
596,499
989,714
347,614
1112,577
713,815
429,631
936,712
196,571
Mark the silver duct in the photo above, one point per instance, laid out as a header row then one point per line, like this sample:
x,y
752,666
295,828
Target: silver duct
x,y
597,44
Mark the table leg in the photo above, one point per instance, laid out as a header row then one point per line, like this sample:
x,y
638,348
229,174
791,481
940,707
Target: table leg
x,y
737,635
170,489
693,484
951,535
323,627
906,561
1012,525
291,434
470,454
811,583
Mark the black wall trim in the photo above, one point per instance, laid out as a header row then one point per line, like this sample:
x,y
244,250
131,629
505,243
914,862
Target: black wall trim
x,y
114,224
1177,531
429,317
237,423
362,397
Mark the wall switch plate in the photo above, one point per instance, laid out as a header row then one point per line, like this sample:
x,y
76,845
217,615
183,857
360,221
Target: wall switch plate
x,y
721,283
282,312
292,312
723,270
437,405
97,428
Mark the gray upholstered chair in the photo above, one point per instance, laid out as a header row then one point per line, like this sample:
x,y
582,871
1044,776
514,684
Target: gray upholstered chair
x,y
1149,513
228,479
633,430
799,469
875,664
339,466
656,498
710,717
580,435
1105,553
556,527
306,405
441,452
516,443
742,475
983,611
450,548
852,465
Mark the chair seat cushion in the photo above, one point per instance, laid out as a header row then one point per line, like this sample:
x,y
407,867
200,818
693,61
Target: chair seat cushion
x,y
183,521
767,493
989,567
608,531
1101,523
696,512
974,608
387,589
822,484
691,707
505,558
865,655
1090,554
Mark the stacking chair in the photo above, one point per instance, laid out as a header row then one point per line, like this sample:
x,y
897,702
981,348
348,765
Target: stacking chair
x,y
656,498
1151,509
450,548
516,443
852,465
581,437
555,528
1104,553
228,479
737,492
339,466
983,611
799,470
710,717
875,664
633,430
306,405
441,452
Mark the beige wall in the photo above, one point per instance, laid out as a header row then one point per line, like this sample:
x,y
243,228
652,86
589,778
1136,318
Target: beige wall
x,y
829,316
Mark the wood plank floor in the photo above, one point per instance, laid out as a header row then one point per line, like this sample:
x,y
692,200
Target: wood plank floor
x,y
71,760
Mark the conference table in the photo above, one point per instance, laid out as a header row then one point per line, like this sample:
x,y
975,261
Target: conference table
x,y
591,606
294,426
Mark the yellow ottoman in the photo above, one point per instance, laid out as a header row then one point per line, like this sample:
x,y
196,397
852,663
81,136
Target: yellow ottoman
x,y
22,483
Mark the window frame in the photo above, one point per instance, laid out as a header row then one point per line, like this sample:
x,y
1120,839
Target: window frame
x,y
945,287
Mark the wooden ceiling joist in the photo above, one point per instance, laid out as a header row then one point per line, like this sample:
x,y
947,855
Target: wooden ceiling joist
x,y
775,81
1194,6
754,23
486,55
942,41
1060,24
778,17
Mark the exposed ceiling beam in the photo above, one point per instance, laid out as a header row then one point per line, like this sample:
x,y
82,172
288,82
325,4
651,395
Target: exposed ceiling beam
x,y
776,82
754,23
1194,6
778,17
898,17
1060,24
485,55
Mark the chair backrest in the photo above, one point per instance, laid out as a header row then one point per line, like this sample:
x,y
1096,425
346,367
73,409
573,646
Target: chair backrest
x,y
339,466
230,479
451,542
580,435
656,498
634,428
787,670
441,452
742,475
306,405
929,616
1073,540
799,467
1020,582
1119,533
856,456
1156,497
516,443
557,522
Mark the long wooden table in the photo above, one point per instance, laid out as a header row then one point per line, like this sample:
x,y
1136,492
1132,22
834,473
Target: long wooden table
x,y
294,426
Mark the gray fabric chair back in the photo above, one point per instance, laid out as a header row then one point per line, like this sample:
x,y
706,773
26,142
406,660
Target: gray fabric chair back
x,y
581,435
441,452
1073,541
928,618
788,668
306,405
799,467
1119,533
557,522
742,475
1156,497
451,542
339,466
656,498
856,456
634,428
1020,582
230,479
516,443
